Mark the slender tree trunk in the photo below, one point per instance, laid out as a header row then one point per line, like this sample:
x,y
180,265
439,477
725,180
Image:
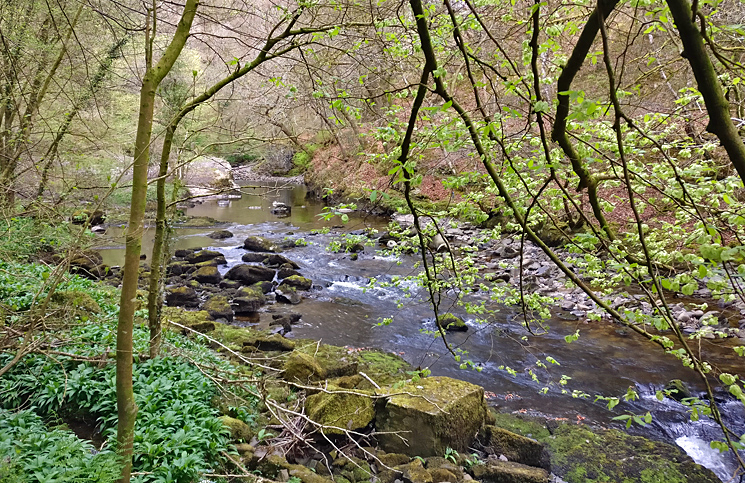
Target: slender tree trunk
x,y
126,405
717,106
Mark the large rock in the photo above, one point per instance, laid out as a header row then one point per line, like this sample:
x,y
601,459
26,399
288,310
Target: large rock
x,y
180,268
254,257
239,431
204,255
527,451
437,413
453,323
218,308
89,264
250,274
182,297
248,300
273,260
303,368
208,274
77,301
288,295
297,282
271,342
259,244
316,362
342,410
509,472
220,234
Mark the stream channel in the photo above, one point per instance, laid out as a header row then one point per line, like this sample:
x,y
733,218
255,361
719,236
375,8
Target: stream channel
x,y
605,360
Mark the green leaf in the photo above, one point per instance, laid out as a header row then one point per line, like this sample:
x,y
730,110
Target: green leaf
x,y
689,288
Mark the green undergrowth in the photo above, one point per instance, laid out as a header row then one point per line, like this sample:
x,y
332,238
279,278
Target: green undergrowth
x,y
178,436
22,238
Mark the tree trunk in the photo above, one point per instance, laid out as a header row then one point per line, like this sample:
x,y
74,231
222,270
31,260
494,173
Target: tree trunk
x,y
126,405
717,106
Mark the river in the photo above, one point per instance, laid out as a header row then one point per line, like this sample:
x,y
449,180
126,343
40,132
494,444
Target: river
x,y
605,360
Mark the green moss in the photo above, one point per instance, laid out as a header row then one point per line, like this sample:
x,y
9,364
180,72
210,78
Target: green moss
x,y
198,320
525,426
343,410
239,431
585,456
383,367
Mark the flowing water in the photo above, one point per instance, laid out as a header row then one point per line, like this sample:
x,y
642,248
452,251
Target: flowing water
x,y
606,360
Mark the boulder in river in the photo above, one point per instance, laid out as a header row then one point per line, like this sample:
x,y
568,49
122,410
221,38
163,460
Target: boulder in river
x,y
254,257
280,210
182,297
274,260
218,308
208,274
259,244
496,471
248,300
288,295
180,267
220,235
286,271
436,413
499,441
250,274
453,323
205,255
297,282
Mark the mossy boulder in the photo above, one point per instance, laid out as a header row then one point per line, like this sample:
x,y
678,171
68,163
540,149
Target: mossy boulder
x,y
453,323
182,297
248,300
434,414
678,389
259,244
239,431
220,234
285,272
509,472
342,410
303,368
272,466
250,274
297,282
268,342
288,295
198,320
204,255
385,368
415,471
253,257
76,300
580,455
218,307
274,260
514,447
180,267
335,361
208,275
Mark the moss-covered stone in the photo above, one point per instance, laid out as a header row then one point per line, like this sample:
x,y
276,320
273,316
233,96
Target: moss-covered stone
x,y
203,256
272,465
288,295
182,297
335,361
580,455
303,368
415,471
78,301
248,300
259,244
514,447
436,413
383,367
342,410
509,472
250,274
239,431
220,235
296,281
269,342
441,475
180,267
453,323
274,260
393,459
208,274
678,389
218,308
198,320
